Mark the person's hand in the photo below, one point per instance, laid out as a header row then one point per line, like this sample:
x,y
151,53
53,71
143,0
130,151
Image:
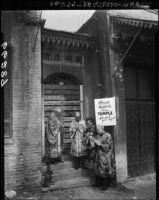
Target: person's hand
x,y
98,143
76,127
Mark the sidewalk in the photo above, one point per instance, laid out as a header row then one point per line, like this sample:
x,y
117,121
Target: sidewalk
x,y
138,189
144,187
141,188
89,193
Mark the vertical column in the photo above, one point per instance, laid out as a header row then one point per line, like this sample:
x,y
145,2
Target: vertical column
x,y
113,86
103,47
29,139
43,121
81,101
120,140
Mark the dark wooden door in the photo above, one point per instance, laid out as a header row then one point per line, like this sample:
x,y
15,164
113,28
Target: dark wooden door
x,y
147,130
140,120
66,97
133,140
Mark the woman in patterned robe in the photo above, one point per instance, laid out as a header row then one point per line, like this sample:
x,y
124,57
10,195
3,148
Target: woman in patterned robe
x,y
88,143
77,130
53,133
104,162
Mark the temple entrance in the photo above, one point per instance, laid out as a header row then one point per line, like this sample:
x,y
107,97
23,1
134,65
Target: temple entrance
x,y
65,92
62,91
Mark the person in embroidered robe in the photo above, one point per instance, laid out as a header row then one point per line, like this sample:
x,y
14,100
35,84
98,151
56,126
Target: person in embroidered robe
x,y
54,135
88,142
104,162
77,129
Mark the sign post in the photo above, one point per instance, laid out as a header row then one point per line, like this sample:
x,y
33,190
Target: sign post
x,y
105,111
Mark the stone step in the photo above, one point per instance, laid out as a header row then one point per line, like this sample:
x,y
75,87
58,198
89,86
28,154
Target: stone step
x,y
67,157
58,166
70,173
71,183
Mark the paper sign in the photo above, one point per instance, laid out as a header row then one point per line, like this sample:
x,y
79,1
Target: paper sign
x,y
105,111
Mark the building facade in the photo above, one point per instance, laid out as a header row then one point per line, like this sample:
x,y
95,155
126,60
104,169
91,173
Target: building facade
x,y
109,56
22,100
70,76
128,57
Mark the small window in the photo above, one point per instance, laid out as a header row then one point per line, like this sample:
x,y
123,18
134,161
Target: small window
x,y
46,56
68,58
79,59
57,57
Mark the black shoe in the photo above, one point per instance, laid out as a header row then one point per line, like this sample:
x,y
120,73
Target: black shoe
x,y
76,168
106,183
62,159
99,181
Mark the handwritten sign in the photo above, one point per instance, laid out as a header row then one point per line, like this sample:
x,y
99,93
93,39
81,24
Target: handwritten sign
x,y
105,111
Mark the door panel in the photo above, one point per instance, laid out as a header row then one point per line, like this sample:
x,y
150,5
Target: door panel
x,y
66,97
147,130
130,83
146,87
140,120
133,141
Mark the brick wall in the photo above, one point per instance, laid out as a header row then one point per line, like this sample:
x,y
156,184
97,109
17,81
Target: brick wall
x,y
23,152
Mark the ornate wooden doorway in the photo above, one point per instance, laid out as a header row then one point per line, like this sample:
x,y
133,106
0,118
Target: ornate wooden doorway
x,y
62,91
140,119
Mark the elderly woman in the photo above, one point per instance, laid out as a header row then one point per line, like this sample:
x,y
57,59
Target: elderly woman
x,y
53,136
77,130
104,164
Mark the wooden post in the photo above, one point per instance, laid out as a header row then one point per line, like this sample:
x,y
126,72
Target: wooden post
x,y
120,140
81,101
43,123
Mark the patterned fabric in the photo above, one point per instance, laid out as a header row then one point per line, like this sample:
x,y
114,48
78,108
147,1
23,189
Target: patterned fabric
x,y
77,131
89,145
87,139
104,163
53,135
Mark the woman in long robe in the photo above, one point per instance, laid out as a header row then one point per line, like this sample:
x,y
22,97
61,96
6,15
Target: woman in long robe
x,y
104,162
77,130
53,136
88,143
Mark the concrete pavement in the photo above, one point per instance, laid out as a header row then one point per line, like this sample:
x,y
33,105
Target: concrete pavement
x,y
141,188
144,187
88,193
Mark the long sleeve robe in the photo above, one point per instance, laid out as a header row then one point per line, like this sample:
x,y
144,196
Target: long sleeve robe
x,y
104,163
77,148
53,135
